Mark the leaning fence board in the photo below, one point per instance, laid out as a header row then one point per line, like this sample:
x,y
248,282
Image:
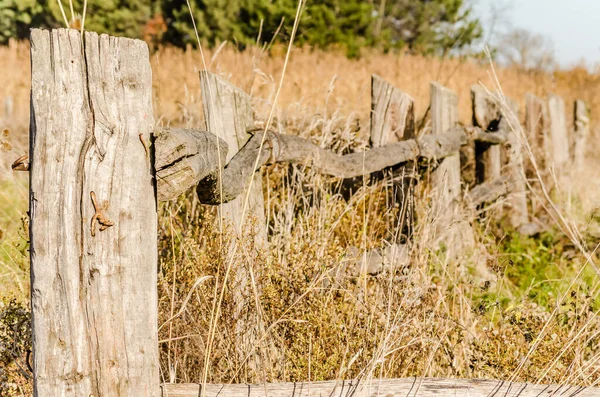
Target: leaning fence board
x,y
93,217
228,114
393,120
408,387
558,131
582,132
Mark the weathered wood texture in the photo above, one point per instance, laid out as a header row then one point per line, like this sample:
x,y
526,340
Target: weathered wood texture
x,y
515,167
490,191
486,115
558,131
358,262
409,387
446,178
201,158
582,133
449,230
8,108
536,126
228,114
392,113
93,270
183,157
393,120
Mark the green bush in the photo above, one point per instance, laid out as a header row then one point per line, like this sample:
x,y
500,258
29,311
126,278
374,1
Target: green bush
x,y
426,26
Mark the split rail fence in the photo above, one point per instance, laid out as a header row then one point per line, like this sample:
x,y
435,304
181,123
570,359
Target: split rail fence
x,y
98,167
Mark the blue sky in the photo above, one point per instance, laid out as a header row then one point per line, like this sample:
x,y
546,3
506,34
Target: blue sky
x,y
572,25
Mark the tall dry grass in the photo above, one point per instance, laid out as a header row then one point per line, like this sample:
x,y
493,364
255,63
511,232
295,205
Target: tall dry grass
x,y
497,312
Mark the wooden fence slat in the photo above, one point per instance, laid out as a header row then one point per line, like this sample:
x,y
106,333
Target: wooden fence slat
x,y
228,115
450,231
393,120
444,115
582,132
93,215
392,113
8,107
486,115
536,126
558,131
517,200
407,387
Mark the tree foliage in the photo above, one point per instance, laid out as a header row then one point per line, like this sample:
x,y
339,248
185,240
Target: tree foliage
x,y
428,26
424,26
16,16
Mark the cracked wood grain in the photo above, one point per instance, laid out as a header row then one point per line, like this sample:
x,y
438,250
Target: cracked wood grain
x,y
188,157
407,387
94,299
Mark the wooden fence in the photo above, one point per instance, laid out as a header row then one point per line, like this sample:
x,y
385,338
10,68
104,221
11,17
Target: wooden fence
x,y
98,168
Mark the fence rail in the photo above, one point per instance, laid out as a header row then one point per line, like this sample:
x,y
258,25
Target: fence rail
x,y
95,157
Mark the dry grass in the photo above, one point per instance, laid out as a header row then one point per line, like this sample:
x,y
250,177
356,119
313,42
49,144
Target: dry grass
x,y
478,316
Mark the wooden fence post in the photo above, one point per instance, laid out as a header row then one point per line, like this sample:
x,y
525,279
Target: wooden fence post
x,y
558,131
486,115
494,116
517,200
582,132
536,126
8,107
445,180
93,215
393,120
228,114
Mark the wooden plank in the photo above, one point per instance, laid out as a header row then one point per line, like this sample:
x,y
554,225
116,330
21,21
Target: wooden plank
x,y
409,387
450,231
517,200
558,131
393,120
582,133
392,113
536,126
228,115
185,158
486,115
444,115
93,270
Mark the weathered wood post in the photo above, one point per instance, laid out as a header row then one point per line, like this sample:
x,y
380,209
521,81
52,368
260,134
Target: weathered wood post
x,y
582,132
486,115
503,118
456,235
8,107
558,131
536,126
93,217
228,115
393,120
517,200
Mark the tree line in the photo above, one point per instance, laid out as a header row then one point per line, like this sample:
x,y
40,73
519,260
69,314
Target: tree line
x,y
419,26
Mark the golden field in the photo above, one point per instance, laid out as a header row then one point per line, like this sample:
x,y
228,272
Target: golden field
x,y
529,315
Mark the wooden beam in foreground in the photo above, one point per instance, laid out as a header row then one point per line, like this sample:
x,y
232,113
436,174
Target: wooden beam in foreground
x,y
408,387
